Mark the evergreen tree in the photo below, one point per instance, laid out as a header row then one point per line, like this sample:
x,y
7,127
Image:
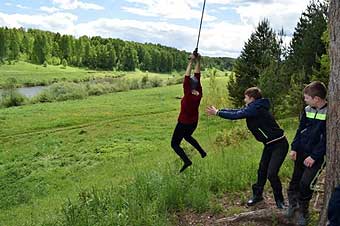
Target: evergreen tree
x,y
305,51
112,61
40,49
14,48
258,53
66,47
325,69
27,46
129,60
3,44
146,64
306,45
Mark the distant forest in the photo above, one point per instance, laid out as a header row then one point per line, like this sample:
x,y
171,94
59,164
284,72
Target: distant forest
x,y
44,47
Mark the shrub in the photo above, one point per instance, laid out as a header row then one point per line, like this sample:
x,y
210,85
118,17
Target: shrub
x,y
10,96
61,92
64,63
156,82
232,136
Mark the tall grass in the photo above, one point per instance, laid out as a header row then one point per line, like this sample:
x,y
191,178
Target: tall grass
x,y
153,197
124,155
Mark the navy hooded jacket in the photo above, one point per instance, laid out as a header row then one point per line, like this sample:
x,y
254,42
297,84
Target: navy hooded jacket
x,y
310,137
259,120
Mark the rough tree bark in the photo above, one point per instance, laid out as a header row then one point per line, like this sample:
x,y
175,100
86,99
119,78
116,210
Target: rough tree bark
x,y
333,118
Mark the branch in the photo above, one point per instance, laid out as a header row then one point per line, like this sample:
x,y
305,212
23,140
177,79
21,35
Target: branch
x,y
268,215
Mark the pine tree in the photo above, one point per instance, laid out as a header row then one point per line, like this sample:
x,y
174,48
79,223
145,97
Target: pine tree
x,y
3,44
40,49
129,60
14,48
258,53
306,45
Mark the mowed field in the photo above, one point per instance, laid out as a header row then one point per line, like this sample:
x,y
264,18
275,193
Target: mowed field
x,y
52,153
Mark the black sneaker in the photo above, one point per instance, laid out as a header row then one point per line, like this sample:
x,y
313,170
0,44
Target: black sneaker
x,y
186,165
254,200
203,155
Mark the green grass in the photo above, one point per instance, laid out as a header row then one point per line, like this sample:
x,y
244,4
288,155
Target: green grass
x,y
111,157
28,74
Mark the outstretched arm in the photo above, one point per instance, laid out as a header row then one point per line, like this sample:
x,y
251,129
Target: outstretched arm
x,y
188,70
248,111
186,81
198,64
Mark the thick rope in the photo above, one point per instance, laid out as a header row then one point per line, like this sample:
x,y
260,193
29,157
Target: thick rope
x,y
199,31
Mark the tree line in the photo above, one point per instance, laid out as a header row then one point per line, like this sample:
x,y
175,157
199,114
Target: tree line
x,y
44,47
282,71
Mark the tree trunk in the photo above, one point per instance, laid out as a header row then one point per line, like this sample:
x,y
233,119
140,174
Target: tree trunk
x,y
333,118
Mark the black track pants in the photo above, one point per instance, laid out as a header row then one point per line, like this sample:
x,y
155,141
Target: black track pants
x,y
273,156
184,131
303,179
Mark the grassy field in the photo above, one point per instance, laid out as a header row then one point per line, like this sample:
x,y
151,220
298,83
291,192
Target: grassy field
x,y
28,74
107,160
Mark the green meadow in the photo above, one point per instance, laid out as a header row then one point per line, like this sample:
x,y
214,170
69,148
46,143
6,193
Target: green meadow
x,y
28,74
107,160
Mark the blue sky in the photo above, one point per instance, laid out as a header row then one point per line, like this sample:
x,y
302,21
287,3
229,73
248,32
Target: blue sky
x,y
226,26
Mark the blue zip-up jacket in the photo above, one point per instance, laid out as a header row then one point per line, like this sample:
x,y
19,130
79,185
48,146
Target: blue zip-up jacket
x,y
311,134
260,121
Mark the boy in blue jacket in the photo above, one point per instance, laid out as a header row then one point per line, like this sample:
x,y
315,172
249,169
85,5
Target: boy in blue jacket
x,y
308,151
265,129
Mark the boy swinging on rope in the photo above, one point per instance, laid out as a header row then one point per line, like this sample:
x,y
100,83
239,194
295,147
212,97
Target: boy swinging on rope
x,y
188,117
265,129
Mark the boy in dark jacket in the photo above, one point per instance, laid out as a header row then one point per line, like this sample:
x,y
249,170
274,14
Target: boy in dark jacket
x,y
188,117
308,151
265,129
334,208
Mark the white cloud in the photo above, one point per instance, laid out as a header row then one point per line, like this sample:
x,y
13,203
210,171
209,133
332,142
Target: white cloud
x,y
141,31
57,22
280,13
169,9
22,7
49,9
74,4
224,39
8,4
217,39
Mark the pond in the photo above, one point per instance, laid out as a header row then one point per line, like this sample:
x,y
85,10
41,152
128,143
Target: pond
x,y
29,91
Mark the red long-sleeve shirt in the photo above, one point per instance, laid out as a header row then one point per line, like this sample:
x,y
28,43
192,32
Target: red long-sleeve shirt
x,y
190,103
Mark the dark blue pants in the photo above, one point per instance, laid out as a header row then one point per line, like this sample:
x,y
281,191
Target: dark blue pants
x,y
185,131
303,179
273,156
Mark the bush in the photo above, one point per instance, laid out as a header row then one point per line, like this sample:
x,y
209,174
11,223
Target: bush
x,y
232,136
54,61
61,92
64,63
97,89
156,82
10,96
